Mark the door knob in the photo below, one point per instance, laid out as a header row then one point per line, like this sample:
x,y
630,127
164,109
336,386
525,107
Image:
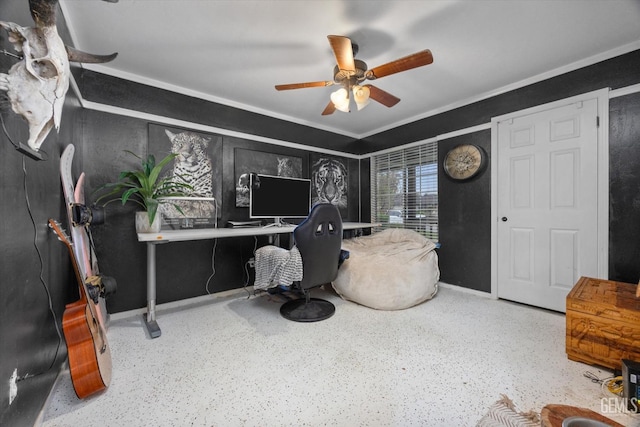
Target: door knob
x,y
504,219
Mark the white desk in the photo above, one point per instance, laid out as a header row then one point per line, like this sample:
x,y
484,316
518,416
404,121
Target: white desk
x,y
167,236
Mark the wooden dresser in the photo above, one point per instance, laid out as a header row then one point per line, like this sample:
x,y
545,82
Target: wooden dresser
x,y
603,322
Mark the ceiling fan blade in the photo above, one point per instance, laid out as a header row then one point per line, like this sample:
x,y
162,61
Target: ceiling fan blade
x,y
329,109
415,60
343,52
304,85
384,98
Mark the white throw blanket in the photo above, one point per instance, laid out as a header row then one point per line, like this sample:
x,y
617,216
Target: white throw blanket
x,y
390,270
277,266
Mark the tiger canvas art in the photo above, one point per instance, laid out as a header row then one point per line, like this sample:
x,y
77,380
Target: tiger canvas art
x,y
329,181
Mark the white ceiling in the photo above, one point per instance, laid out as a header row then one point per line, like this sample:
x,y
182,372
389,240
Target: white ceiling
x,y
235,51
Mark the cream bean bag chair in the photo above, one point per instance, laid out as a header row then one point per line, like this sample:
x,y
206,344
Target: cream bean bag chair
x,y
390,270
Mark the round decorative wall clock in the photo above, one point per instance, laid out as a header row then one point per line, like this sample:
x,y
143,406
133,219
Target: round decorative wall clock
x,y
464,161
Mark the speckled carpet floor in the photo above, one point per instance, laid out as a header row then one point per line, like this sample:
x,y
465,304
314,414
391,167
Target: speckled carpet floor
x,y
235,361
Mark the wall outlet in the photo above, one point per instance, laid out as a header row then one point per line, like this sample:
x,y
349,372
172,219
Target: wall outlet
x,y
252,262
13,386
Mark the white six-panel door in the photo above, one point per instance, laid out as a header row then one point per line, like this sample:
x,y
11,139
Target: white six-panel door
x,y
547,203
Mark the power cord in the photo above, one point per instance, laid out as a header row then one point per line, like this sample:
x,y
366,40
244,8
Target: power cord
x,y
247,265
36,155
24,149
246,282
614,385
213,266
4,129
42,280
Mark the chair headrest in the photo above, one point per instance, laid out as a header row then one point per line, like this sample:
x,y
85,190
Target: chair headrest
x,y
324,218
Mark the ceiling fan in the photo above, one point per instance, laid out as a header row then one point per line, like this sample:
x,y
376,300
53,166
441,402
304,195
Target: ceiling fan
x,y
350,73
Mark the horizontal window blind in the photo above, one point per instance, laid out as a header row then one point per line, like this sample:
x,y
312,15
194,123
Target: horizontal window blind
x,y
404,189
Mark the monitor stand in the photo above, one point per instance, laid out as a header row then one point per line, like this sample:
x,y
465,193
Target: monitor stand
x,y
277,222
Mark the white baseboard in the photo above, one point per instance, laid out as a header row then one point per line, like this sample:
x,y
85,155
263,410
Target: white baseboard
x,y
467,290
243,291
182,303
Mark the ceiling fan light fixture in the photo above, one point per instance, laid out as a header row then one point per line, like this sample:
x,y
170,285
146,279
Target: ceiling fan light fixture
x,y
361,96
340,99
349,72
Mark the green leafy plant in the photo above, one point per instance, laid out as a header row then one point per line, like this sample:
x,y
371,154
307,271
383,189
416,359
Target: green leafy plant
x,y
144,186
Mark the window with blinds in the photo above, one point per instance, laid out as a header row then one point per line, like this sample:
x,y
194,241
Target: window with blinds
x,y
404,189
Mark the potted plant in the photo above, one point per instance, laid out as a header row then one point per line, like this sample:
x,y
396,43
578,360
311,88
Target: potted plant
x,y
145,187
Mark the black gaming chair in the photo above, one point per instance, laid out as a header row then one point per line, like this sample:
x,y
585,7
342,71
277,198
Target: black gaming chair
x,y
319,239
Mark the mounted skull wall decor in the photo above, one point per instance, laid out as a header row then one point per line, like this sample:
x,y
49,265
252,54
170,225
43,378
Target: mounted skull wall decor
x,y
37,85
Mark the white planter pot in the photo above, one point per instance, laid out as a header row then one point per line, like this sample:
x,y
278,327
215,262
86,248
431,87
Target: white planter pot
x,y
142,223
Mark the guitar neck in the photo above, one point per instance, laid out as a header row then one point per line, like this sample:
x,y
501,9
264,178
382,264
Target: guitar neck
x,y
64,238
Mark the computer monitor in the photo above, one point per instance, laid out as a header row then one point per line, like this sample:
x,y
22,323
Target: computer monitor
x,y
279,197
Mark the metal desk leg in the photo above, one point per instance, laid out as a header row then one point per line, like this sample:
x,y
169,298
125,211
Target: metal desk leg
x,y
150,315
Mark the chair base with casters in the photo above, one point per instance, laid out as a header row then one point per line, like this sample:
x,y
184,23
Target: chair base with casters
x,y
307,309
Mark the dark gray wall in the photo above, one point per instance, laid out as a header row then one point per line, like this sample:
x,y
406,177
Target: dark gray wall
x,y
27,328
122,93
464,222
34,264
183,268
465,256
614,73
464,211
624,195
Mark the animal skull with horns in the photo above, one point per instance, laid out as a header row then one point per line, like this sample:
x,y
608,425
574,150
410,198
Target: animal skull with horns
x,y
37,85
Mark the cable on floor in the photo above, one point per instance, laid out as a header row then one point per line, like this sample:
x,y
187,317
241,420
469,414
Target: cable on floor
x,y
613,385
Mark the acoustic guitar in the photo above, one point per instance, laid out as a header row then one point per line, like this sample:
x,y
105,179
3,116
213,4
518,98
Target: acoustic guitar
x,y
87,346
